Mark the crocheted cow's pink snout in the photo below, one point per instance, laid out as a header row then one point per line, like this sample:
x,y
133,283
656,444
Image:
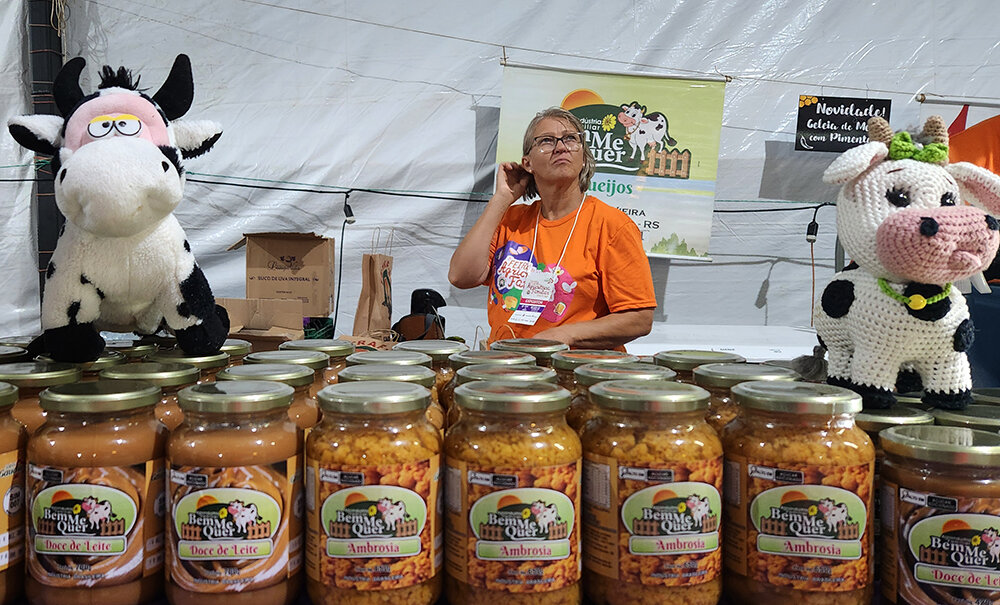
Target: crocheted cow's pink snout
x,y
937,245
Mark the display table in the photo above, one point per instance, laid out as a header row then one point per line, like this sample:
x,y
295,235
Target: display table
x,y
755,343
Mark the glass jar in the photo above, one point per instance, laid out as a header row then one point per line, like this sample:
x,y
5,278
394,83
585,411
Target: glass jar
x,y
512,520
31,378
133,350
439,351
513,375
684,361
986,396
565,362
95,496
91,370
539,348
653,506
170,377
582,408
235,496
13,355
317,361
338,350
399,358
304,409
719,379
17,341
471,358
373,492
940,515
798,497
914,400
237,349
208,365
982,417
13,439
425,377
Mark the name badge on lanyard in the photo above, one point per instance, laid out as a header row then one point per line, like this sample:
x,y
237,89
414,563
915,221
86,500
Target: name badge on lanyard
x,y
539,289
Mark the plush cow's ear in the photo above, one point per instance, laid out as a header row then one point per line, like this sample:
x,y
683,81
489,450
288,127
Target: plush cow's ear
x,y
177,93
195,137
978,186
854,161
39,132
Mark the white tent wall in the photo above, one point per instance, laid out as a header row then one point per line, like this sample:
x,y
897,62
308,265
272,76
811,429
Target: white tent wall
x,y
405,97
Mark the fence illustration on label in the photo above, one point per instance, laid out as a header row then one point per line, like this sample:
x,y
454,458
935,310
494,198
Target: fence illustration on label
x,y
674,164
957,550
809,521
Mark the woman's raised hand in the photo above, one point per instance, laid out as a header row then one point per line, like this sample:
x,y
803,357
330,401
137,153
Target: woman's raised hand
x,y
512,180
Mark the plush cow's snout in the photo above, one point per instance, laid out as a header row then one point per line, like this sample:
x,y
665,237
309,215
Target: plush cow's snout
x,y
928,226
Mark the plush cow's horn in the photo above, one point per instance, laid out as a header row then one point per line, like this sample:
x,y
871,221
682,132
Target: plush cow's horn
x,y
176,94
935,130
66,86
879,130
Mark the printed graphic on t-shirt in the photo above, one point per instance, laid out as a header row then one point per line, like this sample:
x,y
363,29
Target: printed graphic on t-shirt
x,y
512,263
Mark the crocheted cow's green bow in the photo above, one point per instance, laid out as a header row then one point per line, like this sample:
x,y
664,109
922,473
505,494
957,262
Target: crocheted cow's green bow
x,y
902,147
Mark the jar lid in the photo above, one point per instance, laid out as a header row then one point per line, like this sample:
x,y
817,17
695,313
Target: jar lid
x,y
12,354
293,375
797,397
975,416
438,349
8,394
664,396
526,398
108,359
421,375
570,360
986,396
399,358
505,374
236,346
99,396
155,372
17,341
235,397
131,349
685,360
314,360
330,346
911,399
593,373
373,397
39,373
202,362
873,421
727,375
948,444
540,348
500,358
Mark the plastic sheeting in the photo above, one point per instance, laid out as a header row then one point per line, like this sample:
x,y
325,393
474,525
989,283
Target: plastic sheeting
x,y
358,94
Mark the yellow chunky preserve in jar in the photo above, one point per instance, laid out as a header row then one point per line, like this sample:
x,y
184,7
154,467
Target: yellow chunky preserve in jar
x,y
439,352
684,361
234,497
564,362
582,408
798,497
13,439
90,370
472,358
982,417
237,349
170,377
652,499
421,375
512,497
31,378
512,375
95,496
539,348
208,365
304,410
720,378
372,497
317,361
338,350
133,350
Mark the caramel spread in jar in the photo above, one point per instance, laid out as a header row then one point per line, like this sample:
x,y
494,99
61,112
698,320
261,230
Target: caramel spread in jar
x,y
170,377
304,410
540,348
338,350
684,361
316,361
13,440
31,378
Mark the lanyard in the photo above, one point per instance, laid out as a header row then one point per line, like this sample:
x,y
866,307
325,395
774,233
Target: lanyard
x,y
534,238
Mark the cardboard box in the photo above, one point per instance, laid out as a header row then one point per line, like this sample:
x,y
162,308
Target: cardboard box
x,y
290,265
265,322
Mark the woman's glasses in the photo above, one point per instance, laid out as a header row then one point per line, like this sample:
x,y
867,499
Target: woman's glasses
x,y
547,143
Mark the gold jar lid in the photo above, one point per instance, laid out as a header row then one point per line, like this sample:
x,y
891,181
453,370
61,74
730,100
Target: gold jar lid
x,y
12,354
873,421
8,394
293,375
947,444
421,375
986,396
506,374
438,349
155,372
399,358
593,373
663,396
235,397
727,375
39,373
17,341
975,416
330,346
373,397
540,348
685,360
202,362
131,349
523,398
314,360
235,347
99,396
911,399
797,397
108,359
572,359
500,358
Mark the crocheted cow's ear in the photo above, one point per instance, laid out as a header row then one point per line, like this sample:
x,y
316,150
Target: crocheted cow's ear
x,y
854,161
978,186
195,137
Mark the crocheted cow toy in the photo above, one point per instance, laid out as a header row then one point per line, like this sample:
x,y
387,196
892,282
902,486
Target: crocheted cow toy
x,y
122,262
901,219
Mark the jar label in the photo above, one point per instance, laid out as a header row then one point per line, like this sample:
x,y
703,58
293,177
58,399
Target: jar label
x,y
234,528
95,526
12,521
368,534
509,530
809,520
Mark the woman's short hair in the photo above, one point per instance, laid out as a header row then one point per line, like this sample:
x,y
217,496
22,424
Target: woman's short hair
x,y
531,191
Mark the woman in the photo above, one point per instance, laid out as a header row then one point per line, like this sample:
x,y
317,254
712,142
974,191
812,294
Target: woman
x,y
567,267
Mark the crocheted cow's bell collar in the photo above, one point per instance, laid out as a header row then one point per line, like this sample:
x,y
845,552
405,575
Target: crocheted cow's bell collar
x,y
915,302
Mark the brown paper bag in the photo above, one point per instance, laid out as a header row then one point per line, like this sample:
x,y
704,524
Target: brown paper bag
x,y
375,303
377,340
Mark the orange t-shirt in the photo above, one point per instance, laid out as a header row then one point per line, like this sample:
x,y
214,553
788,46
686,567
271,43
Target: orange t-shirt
x,y
604,270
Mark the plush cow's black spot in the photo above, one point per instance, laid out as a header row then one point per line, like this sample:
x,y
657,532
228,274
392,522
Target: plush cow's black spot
x,y
50,270
71,312
947,401
100,294
165,166
851,266
197,294
899,198
171,154
83,279
62,175
838,298
992,224
928,226
73,343
183,310
187,246
947,198
932,312
964,335
207,337
204,147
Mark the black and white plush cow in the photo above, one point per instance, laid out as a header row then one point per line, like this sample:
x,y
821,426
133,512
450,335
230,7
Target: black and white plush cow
x,y
902,217
122,263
